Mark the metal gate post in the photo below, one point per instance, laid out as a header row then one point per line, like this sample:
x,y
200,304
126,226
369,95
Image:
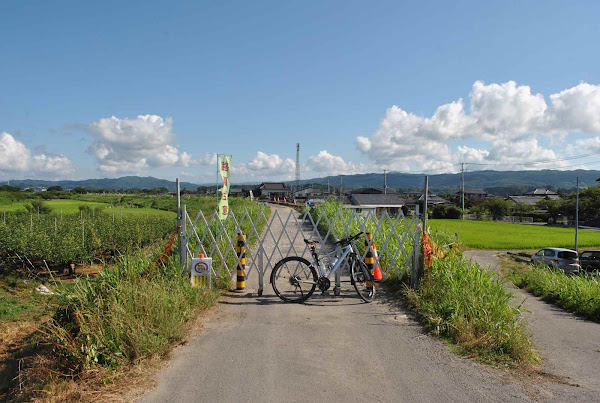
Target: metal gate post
x,y
183,239
240,284
261,271
414,272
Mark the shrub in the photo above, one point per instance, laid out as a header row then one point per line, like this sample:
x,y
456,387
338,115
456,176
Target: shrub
x,y
38,206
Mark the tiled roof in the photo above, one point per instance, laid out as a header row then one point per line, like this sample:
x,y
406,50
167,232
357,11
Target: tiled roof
x,y
376,199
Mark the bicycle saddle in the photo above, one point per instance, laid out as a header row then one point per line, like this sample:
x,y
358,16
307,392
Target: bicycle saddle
x,y
311,243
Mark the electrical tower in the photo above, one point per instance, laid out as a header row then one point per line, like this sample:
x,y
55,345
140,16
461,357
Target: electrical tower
x,y
297,166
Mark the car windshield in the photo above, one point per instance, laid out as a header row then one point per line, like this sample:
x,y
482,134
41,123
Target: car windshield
x,y
567,255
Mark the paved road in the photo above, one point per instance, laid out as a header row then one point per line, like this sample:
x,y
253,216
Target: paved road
x,y
329,349
570,346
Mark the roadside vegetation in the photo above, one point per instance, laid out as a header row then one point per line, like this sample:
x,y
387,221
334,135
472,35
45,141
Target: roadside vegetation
x,y
579,294
458,301
499,235
470,308
91,334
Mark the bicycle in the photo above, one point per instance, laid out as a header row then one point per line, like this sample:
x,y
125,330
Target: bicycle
x,y
294,278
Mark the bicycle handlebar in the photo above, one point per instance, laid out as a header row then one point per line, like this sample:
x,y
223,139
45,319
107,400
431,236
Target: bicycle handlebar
x,y
346,241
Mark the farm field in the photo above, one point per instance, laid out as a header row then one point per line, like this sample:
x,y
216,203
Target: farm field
x,y
499,235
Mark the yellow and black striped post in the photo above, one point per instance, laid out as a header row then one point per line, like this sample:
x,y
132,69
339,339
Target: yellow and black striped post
x,y
241,267
369,259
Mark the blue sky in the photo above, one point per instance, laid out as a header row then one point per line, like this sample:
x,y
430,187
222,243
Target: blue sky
x,y
356,83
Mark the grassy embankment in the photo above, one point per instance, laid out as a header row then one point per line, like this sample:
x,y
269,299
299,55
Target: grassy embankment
x,y
578,294
499,235
104,326
461,303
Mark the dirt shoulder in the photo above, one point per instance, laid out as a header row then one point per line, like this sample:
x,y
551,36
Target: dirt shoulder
x,y
568,345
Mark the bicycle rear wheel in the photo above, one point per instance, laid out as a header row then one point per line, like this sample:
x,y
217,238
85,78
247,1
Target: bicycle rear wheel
x,y
294,279
362,280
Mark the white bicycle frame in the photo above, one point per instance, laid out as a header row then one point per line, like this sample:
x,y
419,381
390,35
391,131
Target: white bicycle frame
x,y
346,250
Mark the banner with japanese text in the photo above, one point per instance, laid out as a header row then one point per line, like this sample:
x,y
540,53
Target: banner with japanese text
x,y
224,166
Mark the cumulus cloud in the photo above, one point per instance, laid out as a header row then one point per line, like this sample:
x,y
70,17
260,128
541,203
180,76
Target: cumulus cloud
x,y
265,166
330,164
131,145
507,117
16,157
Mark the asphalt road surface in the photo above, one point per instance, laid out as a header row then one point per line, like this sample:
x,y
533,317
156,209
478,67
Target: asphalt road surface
x,y
260,349
569,345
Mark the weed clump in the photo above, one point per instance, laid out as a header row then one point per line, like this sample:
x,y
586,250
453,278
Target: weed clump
x,y
130,311
470,307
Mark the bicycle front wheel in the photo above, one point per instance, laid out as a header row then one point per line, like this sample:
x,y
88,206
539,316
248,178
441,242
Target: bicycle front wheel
x,y
362,280
294,279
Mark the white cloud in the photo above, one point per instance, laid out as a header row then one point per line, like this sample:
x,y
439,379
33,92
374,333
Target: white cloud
x,y
132,145
576,109
330,164
507,118
16,157
58,164
264,167
587,146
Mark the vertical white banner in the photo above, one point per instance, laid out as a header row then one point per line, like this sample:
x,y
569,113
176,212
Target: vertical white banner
x,y
224,166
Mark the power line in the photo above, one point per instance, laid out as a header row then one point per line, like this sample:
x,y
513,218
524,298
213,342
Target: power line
x,y
539,161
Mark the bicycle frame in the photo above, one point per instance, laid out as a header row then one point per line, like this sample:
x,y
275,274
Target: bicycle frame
x,y
322,270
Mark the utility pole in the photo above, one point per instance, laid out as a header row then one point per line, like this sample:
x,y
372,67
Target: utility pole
x,y
297,166
425,204
576,214
328,191
384,182
341,186
462,198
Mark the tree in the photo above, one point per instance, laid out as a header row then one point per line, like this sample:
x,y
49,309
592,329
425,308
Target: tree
x,y
522,209
55,189
589,204
497,207
80,190
9,188
552,207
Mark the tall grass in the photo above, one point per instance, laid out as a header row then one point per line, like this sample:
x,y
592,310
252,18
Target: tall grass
x,y
470,307
130,311
579,294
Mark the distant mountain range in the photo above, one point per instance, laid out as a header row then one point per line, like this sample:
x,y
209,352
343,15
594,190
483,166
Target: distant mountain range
x,y
125,182
497,182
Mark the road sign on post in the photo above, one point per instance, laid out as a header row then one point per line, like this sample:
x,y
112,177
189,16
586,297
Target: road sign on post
x,y
202,272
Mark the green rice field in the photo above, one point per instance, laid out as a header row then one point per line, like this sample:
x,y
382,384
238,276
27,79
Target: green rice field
x,y
499,235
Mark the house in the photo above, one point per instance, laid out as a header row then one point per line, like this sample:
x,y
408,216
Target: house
x,y
475,195
529,200
270,190
371,191
412,198
534,197
236,192
309,193
376,203
544,193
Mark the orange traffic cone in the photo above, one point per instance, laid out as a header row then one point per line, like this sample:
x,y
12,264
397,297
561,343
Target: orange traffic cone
x,y
294,202
284,200
377,275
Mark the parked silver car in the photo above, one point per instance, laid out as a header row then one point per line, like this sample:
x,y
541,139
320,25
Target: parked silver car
x,y
564,259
